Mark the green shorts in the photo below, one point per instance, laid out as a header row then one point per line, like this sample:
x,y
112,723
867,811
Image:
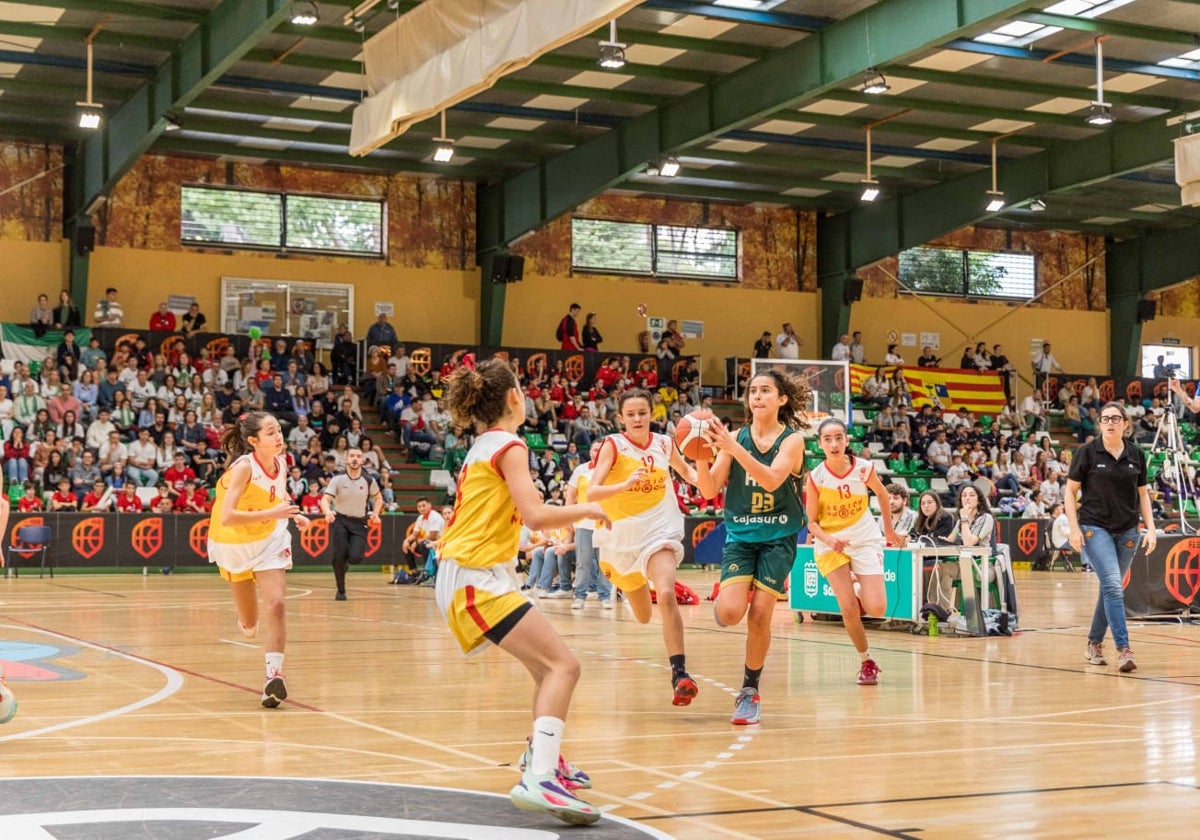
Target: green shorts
x,y
762,564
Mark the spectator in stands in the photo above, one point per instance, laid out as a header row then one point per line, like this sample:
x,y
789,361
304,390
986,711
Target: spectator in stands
x,y
938,455
1088,423
1090,396
6,412
1004,475
1044,364
927,359
62,402
279,357
30,502
788,343
48,466
674,337
1071,414
903,516
41,425
143,460
591,337
26,406
177,475
125,418
1034,413
99,499
981,359
93,355
278,401
381,333
110,390
108,312
303,355
162,319
958,475
87,393
66,314
41,316
70,428
967,362
1006,369
16,456
84,474
193,320
112,451
567,331
67,356
1010,416
841,350
192,499
62,498
875,388
857,352
893,356
343,359
163,502
128,500
51,382
762,347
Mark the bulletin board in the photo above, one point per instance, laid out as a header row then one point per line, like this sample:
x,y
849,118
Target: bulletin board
x,y
296,308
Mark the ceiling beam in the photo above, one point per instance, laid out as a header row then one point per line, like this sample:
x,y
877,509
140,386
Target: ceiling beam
x,y
1104,26
726,194
900,125
943,106
871,232
226,34
883,33
783,20
123,8
1086,60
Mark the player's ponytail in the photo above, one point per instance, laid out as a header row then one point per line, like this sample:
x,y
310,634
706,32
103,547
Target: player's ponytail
x,y
477,396
235,439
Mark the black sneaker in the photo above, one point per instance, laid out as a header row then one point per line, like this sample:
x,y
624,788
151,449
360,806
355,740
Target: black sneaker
x,y
341,596
274,692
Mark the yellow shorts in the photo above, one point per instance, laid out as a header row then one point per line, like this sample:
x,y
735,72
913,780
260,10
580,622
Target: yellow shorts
x,y
474,601
626,570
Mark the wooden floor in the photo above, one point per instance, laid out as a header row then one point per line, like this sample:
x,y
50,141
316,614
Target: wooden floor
x,y
963,738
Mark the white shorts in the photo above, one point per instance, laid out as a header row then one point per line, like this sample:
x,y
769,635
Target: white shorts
x,y
627,569
474,601
864,554
239,561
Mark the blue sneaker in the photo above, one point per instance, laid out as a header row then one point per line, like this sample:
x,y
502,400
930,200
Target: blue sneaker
x,y
746,710
546,793
572,777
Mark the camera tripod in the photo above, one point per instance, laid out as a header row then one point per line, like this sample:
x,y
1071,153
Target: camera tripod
x,y
1177,466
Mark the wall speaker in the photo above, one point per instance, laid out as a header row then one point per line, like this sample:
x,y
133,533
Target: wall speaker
x,y
853,291
1146,310
516,269
85,240
499,268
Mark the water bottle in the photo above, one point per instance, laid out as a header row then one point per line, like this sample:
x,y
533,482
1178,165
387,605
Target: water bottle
x,y
933,625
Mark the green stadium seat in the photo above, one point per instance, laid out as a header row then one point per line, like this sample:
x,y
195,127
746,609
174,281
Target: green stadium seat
x,y
918,484
534,440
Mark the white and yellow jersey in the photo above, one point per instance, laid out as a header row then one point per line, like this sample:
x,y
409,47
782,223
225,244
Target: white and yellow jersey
x,y
843,500
262,492
647,510
485,528
580,479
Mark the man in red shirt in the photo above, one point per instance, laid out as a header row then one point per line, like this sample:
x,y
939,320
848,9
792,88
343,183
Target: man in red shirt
x,y
98,499
568,329
163,320
177,476
128,501
30,502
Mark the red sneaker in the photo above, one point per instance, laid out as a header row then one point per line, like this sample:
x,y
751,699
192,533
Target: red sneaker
x,y
868,673
685,689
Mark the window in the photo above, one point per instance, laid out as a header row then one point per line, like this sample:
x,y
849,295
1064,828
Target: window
x,y
654,250
949,271
286,307
279,221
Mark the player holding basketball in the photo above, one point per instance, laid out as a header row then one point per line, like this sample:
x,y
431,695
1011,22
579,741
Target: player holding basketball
x,y
477,588
632,481
845,536
763,514
248,537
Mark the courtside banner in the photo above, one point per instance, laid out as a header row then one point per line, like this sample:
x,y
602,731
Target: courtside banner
x,y
953,388
1166,581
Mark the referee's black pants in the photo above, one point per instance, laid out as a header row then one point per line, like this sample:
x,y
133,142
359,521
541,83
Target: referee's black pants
x,y
349,546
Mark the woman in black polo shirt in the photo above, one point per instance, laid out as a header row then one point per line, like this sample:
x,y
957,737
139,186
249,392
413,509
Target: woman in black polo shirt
x,y
1109,473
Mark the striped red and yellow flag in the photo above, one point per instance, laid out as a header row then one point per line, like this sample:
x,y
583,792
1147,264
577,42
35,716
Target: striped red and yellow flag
x,y
981,393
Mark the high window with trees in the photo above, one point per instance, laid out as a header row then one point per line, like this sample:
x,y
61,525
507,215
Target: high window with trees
x,y
698,253
957,272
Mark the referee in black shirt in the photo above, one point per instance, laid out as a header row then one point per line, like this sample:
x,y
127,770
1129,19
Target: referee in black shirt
x,y
1109,474
344,504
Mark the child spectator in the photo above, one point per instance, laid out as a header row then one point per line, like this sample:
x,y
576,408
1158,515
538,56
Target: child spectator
x,y
193,499
163,502
99,499
30,502
310,501
128,501
63,498
177,476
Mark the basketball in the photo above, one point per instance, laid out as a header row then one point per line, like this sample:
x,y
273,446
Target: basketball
x,y
8,704
689,435
255,333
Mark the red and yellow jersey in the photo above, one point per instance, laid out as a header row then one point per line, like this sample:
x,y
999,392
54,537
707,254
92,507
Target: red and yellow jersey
x,y
485,528
648,507
842,500
262,492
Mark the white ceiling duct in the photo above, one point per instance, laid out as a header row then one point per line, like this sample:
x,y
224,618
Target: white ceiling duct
x,y
1187,168
446,51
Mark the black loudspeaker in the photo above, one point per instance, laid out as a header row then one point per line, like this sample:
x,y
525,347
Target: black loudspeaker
x,y
499,268
1146,310
85,240
853,290
516,269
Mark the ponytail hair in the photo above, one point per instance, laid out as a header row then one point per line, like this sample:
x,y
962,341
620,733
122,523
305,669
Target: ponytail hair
x,y
235,438
478,396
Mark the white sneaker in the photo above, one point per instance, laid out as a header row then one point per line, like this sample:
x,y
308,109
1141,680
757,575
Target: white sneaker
x,y
577,604
560,594
606,603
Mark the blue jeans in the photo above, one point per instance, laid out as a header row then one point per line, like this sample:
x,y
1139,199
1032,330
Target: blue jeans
x,y
587,567
17,470
1110,556
556,559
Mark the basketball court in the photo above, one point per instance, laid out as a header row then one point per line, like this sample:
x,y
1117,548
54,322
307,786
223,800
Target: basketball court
x,y
139,716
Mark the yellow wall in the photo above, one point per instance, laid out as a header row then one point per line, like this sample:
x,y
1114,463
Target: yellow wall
x,y
30,269
1079,339
430,304
733,317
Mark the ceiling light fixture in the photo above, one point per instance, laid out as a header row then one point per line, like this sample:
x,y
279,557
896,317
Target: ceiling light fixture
x,y
305,12
670,167
874,82
443,149
89,111
995,197
1037,205
1100,114
612,51
870,185
173,121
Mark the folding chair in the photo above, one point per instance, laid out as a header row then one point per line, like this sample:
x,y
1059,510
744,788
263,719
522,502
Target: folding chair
x,y
31,539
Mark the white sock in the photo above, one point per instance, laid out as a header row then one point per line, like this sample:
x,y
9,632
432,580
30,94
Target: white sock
x,y
274,664
547,744
865,654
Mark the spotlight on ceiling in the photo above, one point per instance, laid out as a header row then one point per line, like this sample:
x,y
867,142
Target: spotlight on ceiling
x,y
89,115
870,190
1037,205
443,149
305,12
612,51
669,168
1099,115
874,82
995,201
